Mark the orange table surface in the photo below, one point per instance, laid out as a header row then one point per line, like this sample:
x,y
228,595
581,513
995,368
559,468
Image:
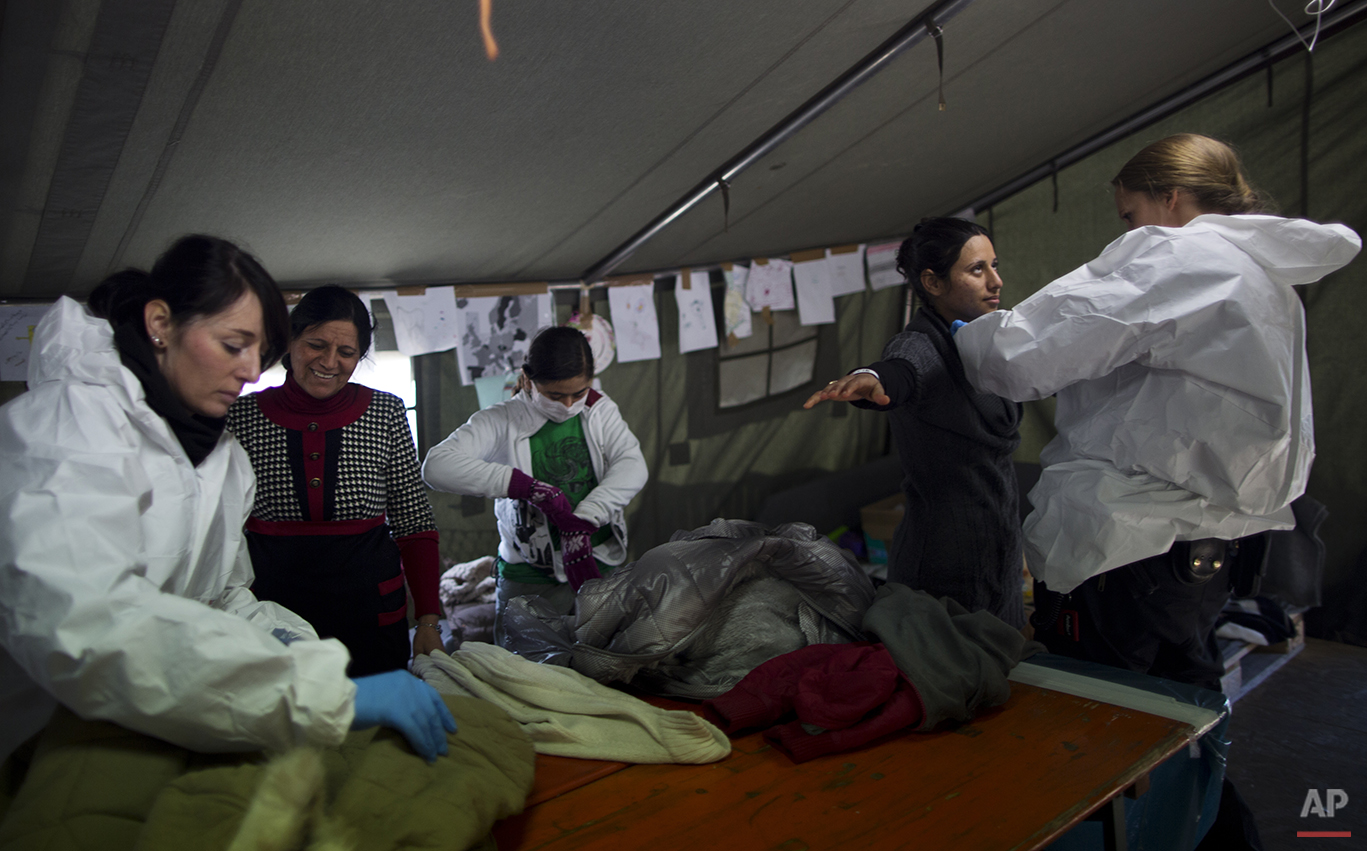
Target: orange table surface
x,y
1015,777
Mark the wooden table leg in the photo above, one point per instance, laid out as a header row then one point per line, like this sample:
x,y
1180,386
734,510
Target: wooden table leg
x,y
1112,818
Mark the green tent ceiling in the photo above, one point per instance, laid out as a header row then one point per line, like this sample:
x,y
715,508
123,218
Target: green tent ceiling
x,y
362,142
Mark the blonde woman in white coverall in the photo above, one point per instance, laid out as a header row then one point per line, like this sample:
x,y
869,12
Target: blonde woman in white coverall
x,y
1184,412
124,580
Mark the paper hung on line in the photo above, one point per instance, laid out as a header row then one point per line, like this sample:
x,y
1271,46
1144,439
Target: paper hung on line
x,y
602,341
492,389
770,285
882,263
815,304
635,322
847,269
697,322
17,322
423,323
497,330
735,308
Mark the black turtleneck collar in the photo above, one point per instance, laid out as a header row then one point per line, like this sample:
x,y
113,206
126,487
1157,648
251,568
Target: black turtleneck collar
x,y
198,434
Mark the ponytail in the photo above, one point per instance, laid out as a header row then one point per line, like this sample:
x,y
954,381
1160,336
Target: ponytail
x,y
121,296
1206,168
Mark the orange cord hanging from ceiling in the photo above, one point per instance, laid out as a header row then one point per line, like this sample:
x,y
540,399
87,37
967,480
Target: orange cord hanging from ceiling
x,y
486,12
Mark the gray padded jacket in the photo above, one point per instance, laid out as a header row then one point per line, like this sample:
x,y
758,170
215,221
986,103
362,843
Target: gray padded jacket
x,y
692,617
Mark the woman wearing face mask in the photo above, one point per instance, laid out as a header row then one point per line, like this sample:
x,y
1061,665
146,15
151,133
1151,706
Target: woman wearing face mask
x,y
960,536
341,521
124,578
561,465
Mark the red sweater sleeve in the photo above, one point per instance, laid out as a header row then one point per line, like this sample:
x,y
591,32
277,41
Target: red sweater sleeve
x,y
422,568
903,710
786,684
843,695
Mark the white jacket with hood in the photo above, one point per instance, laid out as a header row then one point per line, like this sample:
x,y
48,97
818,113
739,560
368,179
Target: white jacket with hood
x,y
124,576
478,458
1184,411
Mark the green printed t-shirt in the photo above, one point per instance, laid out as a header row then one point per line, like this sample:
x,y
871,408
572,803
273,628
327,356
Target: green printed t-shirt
x,y
560,457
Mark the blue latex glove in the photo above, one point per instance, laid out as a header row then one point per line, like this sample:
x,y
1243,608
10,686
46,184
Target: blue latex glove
x,y
400,700
955,326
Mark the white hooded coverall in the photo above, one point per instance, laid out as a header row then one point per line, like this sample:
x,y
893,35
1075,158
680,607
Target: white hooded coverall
x,y
124,577
1184,411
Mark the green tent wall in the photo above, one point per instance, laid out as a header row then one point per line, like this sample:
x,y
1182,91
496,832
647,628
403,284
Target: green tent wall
x,y
731,474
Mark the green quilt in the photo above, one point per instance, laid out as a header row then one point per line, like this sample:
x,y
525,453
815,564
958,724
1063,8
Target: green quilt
x,y
94,785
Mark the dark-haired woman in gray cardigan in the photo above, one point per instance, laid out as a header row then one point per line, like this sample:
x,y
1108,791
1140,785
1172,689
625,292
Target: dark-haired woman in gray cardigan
x,y
961,535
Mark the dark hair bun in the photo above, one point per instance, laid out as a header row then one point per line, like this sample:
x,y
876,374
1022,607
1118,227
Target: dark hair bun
x,y
934,244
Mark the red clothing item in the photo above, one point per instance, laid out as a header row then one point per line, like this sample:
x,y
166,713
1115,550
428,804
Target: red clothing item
x,y
421,561
853,693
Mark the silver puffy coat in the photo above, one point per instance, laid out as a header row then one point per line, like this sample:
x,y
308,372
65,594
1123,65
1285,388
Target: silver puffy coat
x,y
692,617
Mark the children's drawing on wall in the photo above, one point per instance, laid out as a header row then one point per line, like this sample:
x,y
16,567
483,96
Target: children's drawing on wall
x,y
495,332
697,322
736,308
423,322
770,284
812,280
846,263
635,321
882,263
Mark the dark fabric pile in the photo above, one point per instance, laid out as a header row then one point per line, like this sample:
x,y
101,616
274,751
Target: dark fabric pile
x,y
1260,615
936,662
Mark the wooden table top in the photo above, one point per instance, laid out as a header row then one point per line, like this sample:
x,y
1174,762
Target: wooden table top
x,y
1016,777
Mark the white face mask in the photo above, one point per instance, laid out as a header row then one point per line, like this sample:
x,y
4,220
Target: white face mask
x,y
556,412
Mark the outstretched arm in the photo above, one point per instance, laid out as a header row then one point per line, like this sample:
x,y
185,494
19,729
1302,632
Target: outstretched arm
x,y
860,386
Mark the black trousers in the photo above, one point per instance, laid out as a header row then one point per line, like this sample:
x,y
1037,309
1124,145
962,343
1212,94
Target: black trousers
x,y
1146,618
1143,617
348,587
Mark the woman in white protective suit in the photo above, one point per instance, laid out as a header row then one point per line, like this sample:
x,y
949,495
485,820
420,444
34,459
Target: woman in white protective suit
x,y
124,579
1184,412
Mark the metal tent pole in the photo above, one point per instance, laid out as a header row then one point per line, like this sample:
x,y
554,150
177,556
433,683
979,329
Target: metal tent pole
x,y
917,30
1344,17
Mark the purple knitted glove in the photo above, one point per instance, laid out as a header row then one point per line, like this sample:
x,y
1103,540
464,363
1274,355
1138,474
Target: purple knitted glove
x,y
580,565
550,501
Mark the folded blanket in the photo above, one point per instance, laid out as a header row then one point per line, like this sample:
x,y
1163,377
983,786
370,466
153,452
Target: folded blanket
x,y
94,785
567,714
467,582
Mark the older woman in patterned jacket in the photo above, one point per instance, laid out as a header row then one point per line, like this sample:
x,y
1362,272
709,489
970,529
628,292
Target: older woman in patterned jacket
x,y
341,521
